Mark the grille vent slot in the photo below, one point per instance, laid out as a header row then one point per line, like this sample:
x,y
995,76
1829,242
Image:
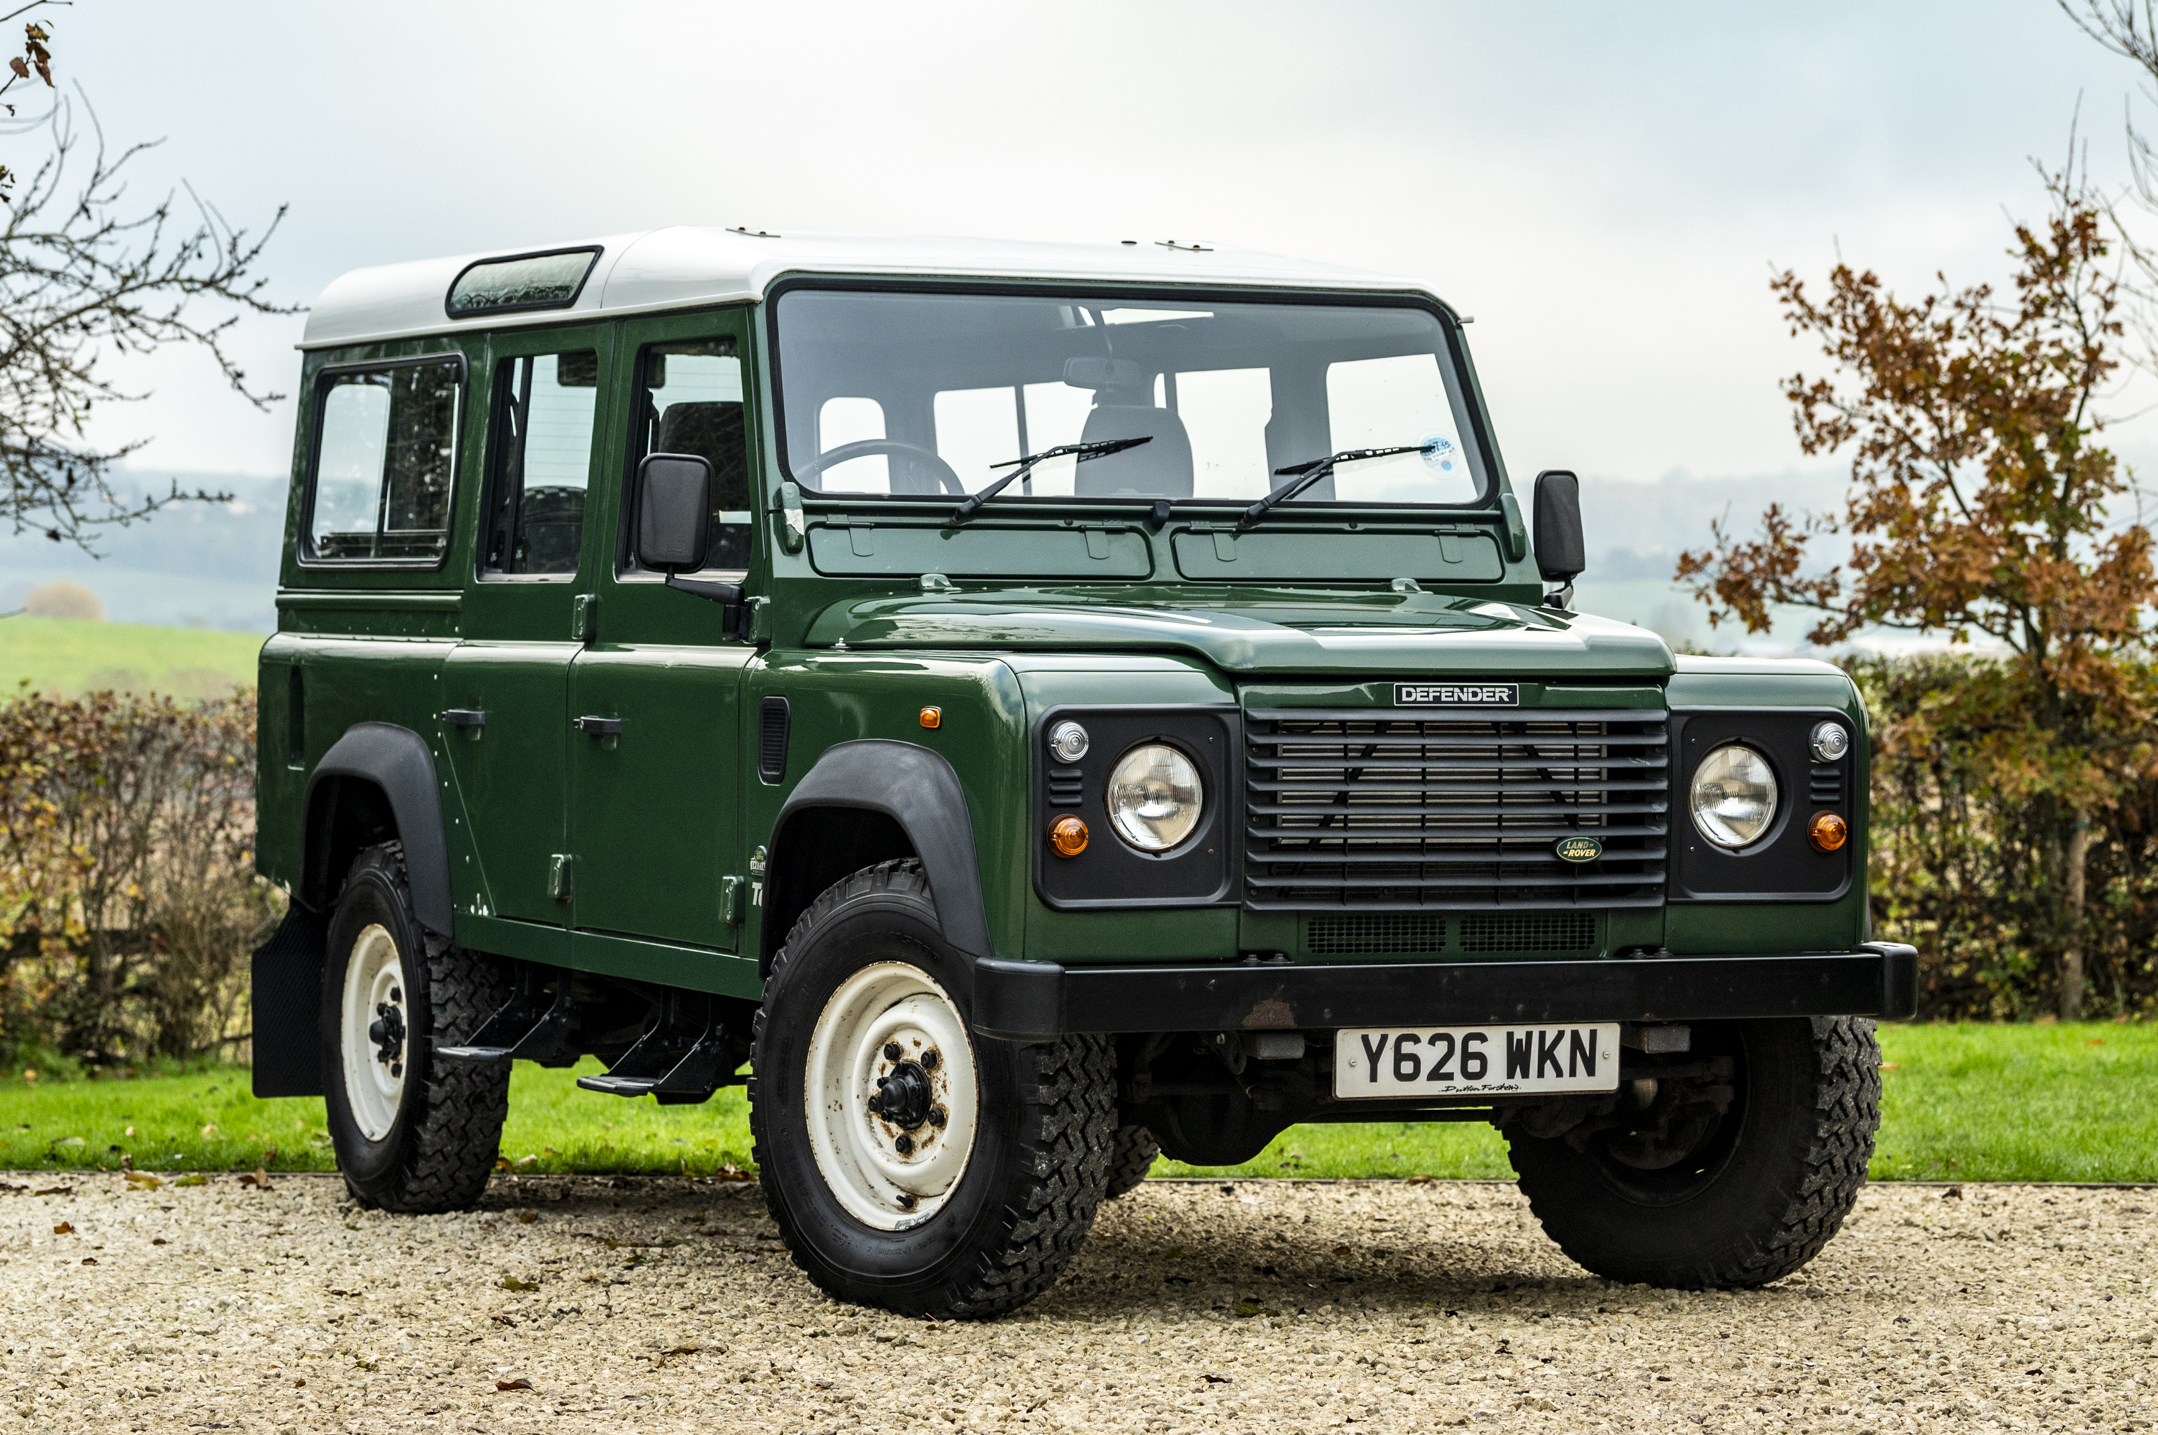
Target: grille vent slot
x,y
772,740
1825,785
1377,809
1067,786
1529,932
1349,933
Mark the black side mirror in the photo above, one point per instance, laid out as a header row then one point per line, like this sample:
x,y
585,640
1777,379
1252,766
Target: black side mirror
x,y
674,514
674,510
1559,555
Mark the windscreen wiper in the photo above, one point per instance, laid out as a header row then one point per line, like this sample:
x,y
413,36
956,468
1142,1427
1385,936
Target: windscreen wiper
x,y
1312,472
1021,467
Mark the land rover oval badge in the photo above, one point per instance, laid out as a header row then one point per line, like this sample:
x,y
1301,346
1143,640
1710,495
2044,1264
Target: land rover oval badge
x,y
1578,849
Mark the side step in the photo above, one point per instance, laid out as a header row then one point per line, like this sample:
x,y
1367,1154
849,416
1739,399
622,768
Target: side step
x,y
681,1061
530,1026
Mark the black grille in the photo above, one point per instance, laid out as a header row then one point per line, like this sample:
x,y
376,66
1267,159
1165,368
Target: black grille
x,y
1370,809
1528,932
1353,932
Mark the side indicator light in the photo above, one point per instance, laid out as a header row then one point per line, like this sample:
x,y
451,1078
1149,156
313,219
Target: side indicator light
x,y
1067,836
1828,831
932,717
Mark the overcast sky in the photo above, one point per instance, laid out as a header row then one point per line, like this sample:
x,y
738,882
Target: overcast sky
x,y
1606,188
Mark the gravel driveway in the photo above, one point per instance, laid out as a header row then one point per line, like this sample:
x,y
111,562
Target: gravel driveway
x,y
659,1304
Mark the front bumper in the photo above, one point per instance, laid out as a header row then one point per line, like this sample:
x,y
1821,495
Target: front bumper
x,y
1026,1001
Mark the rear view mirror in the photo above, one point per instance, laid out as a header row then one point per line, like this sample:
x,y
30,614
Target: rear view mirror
x,y
674,510
1558,526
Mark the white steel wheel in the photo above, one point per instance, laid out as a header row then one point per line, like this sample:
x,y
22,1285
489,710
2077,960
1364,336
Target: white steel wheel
x,y
374,1031
891,1095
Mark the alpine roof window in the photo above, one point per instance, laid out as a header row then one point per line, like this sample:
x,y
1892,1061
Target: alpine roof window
x,y
385,456
522,281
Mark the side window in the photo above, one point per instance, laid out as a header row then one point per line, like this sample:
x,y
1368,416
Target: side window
x,y
690,396
385,451
539,462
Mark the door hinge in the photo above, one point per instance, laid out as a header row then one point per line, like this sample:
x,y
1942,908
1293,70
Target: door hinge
x,y
558,868
583,617
730,901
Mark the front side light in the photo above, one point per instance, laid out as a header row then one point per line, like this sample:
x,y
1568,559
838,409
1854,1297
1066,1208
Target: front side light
x,y
1828,832
1067,742
1734,796
1831,740
1155,797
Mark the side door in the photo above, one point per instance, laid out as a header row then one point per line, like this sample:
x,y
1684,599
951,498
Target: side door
x,y
655,697
527,604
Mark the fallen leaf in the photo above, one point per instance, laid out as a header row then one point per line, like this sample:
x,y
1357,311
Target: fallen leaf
x,y
64,1229
1217,1379
143,1181
683,1350
502,1163
198,1179
159,1241
210,1130
526,1218
1891,1066
300,1382
1246,1309
525,1160
258,1178
55,1191
511,1283
129,1132
1341,1250
89,1260
520,1383
2096,1041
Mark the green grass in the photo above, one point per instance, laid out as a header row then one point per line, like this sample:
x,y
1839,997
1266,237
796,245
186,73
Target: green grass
x,y
1967,1103
70,656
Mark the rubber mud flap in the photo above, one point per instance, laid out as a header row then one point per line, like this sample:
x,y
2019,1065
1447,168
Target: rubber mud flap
x,y
287,976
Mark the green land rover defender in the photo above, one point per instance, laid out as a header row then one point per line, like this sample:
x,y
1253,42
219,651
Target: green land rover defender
x,y
1030,707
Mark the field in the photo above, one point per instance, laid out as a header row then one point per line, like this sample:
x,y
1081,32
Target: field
x,y
70,657
1971,1103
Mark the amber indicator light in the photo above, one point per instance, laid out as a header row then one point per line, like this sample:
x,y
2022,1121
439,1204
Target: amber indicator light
x,y
932,717
1828,831
1067,836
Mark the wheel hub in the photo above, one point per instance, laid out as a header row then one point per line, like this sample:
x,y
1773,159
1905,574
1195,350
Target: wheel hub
x,y
902,1098
387,1032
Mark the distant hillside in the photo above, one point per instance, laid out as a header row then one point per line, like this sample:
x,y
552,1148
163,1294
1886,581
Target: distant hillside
x,y
193,565
71,656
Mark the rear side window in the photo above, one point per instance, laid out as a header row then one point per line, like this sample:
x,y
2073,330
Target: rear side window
x,y
540,462
385,452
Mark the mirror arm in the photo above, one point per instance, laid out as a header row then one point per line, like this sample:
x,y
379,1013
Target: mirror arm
x,y
727,595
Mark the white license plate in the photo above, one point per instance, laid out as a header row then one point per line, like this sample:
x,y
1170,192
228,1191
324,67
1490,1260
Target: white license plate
x,y
1476,1060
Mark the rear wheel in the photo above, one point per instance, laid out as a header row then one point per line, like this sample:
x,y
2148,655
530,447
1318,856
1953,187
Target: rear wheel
x,y
1735,1176
908,1165
411,1133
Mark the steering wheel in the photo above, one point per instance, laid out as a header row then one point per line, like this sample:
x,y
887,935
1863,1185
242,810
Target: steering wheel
x,y
943,472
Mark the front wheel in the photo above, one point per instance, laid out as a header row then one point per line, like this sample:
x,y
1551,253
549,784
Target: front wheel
x,y
1734,1175
411,1132
907,1165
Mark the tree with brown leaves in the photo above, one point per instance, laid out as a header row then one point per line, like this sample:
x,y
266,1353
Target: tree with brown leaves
x,y
1981,503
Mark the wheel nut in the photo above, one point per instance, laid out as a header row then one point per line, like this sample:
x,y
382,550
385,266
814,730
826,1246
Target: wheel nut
x,y
929,1059
904,1145
892,1051
937,1117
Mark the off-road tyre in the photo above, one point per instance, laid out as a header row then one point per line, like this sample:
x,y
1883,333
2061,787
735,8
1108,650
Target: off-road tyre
x,y
1758,1198
442,1146
1038,1168
1130,1158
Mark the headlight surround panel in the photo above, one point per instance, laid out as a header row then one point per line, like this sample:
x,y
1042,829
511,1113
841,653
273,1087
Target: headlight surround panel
x,y
1781,865
1197,871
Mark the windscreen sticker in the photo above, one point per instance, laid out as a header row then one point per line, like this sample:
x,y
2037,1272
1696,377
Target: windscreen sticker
x,y
1440,453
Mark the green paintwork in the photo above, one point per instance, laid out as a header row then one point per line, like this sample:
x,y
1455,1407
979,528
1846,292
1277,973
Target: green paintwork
x,y
1060,605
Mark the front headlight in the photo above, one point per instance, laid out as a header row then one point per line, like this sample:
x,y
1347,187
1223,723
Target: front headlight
x,y
1734,796
1155,797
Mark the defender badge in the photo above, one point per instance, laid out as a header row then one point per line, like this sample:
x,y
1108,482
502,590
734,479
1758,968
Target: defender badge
x,y
1457,695
1578,849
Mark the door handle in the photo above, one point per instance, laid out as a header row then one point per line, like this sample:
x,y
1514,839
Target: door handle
x,y
464,717
599,726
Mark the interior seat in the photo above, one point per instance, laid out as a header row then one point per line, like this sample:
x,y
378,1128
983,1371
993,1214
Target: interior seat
x,y
1160,469
712,430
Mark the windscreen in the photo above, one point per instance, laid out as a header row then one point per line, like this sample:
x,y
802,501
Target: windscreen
x,y
937,395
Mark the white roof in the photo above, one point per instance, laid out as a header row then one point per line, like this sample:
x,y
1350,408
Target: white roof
x,y
683,266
